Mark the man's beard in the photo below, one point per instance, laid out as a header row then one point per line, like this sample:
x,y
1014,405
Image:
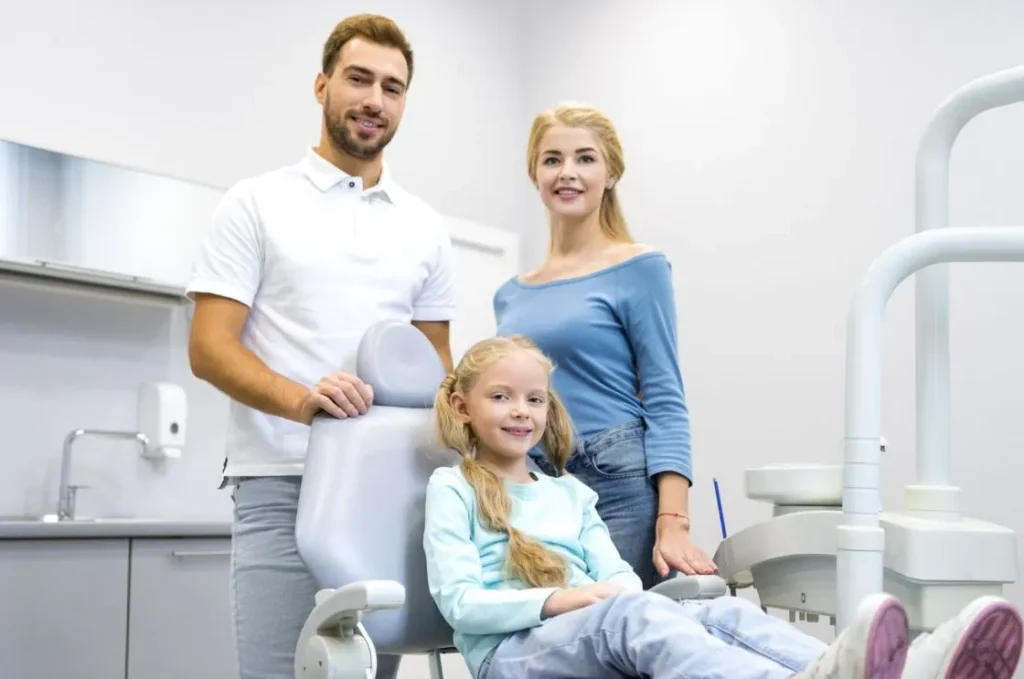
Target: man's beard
x,y
346,141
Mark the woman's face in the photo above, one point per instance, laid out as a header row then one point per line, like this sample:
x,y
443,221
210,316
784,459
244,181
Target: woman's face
x,y
571,172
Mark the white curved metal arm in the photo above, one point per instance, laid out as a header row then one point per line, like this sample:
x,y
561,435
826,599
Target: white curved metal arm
x,y
344,606
932,286
860,539
691,587
332,642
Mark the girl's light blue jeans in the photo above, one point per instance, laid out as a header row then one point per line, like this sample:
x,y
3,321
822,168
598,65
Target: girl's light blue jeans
x,y
640,634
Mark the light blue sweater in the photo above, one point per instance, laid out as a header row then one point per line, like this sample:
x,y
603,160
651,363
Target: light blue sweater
x,y
466,562
601,330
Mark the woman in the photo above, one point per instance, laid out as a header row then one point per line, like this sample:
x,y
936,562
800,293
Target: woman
x,y
602,306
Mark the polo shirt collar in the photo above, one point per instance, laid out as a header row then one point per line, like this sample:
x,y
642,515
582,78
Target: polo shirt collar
x,y
325,175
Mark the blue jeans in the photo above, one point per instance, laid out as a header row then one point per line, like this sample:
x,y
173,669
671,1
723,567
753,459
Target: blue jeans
x,y
640,634
272,592
613,463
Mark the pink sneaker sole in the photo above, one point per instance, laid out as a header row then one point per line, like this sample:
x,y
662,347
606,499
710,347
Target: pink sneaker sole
x,y
990,647
888,642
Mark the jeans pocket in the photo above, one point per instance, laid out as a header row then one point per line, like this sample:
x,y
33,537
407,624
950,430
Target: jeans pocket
x,y
617,452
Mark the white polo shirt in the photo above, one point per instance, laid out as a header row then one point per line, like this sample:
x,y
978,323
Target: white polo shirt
x,y
317,260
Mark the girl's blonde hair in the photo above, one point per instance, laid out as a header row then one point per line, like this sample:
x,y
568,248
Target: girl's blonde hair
x,y
526,558
613,222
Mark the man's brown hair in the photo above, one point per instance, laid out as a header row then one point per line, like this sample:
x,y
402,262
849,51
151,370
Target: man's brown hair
x,y
371,27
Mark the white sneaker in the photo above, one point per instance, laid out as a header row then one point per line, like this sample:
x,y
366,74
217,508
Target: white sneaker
x,y
874,646
984,640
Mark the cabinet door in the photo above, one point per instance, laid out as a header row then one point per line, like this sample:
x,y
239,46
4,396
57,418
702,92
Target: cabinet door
x,y
63,608
180,619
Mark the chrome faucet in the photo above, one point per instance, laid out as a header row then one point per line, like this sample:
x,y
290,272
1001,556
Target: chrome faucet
x,y
66,493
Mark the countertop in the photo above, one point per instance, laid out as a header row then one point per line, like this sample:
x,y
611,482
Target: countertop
x,y
22,528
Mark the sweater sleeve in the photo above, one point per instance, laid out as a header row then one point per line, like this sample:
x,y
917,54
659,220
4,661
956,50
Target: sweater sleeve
x,y
454,573
649,312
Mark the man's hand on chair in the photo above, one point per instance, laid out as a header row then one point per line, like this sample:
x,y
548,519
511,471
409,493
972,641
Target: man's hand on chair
x,y
338,394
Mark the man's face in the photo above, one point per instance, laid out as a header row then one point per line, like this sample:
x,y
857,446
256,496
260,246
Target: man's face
x,y
364,98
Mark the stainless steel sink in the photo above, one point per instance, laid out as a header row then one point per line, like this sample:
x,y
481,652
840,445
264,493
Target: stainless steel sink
x,y
28,526
19,518
52,518
116,519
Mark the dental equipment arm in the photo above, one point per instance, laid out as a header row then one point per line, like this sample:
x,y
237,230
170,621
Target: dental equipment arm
x,y
933,492
860,539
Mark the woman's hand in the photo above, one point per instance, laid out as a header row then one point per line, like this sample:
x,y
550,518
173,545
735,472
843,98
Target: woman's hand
x,y
566,600
674,549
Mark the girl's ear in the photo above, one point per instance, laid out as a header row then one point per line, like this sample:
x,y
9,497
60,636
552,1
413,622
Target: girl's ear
x,y
460,406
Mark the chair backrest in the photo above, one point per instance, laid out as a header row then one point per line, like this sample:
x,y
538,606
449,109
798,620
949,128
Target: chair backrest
x,y
361,508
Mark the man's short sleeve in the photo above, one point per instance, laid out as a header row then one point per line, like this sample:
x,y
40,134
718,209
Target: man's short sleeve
x,y
230,259
436,301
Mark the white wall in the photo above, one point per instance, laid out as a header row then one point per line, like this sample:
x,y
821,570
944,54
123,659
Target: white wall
x,y
185,90
770,150
217,91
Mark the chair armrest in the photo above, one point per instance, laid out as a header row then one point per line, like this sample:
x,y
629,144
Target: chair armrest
x,y
684,587
344,606
333,642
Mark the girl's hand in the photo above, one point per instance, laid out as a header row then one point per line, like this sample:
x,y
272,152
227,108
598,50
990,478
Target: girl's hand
x,y
674,549
566,600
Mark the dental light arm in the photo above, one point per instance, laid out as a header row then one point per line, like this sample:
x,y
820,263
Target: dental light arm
x,y
932,285
860,539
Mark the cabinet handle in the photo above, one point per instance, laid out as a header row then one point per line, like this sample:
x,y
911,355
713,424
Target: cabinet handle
x,y
184,555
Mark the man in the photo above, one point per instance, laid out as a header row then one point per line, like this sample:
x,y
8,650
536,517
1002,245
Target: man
x,y
299,262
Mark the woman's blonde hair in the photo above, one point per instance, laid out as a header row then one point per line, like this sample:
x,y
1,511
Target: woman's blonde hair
x,y
613,222
526,558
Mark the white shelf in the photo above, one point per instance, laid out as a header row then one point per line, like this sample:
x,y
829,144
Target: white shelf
x,y
68,278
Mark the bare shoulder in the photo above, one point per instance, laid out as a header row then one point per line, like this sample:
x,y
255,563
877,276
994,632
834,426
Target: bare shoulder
x,y
621,252
532,276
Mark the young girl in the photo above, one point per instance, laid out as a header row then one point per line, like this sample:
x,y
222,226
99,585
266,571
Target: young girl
x,y
523,569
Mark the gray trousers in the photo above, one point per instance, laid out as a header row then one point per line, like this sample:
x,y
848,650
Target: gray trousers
x,y
272,593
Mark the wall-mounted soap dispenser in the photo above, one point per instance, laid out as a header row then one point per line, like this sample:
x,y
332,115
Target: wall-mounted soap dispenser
x,y
163,411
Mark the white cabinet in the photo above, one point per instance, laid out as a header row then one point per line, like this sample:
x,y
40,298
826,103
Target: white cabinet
x,y
179,623
63,608
118,608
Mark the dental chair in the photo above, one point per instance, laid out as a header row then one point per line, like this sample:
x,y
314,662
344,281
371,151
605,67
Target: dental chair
x,y
360,519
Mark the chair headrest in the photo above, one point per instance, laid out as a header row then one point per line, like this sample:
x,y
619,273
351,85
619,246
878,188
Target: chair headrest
x,y
401,365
